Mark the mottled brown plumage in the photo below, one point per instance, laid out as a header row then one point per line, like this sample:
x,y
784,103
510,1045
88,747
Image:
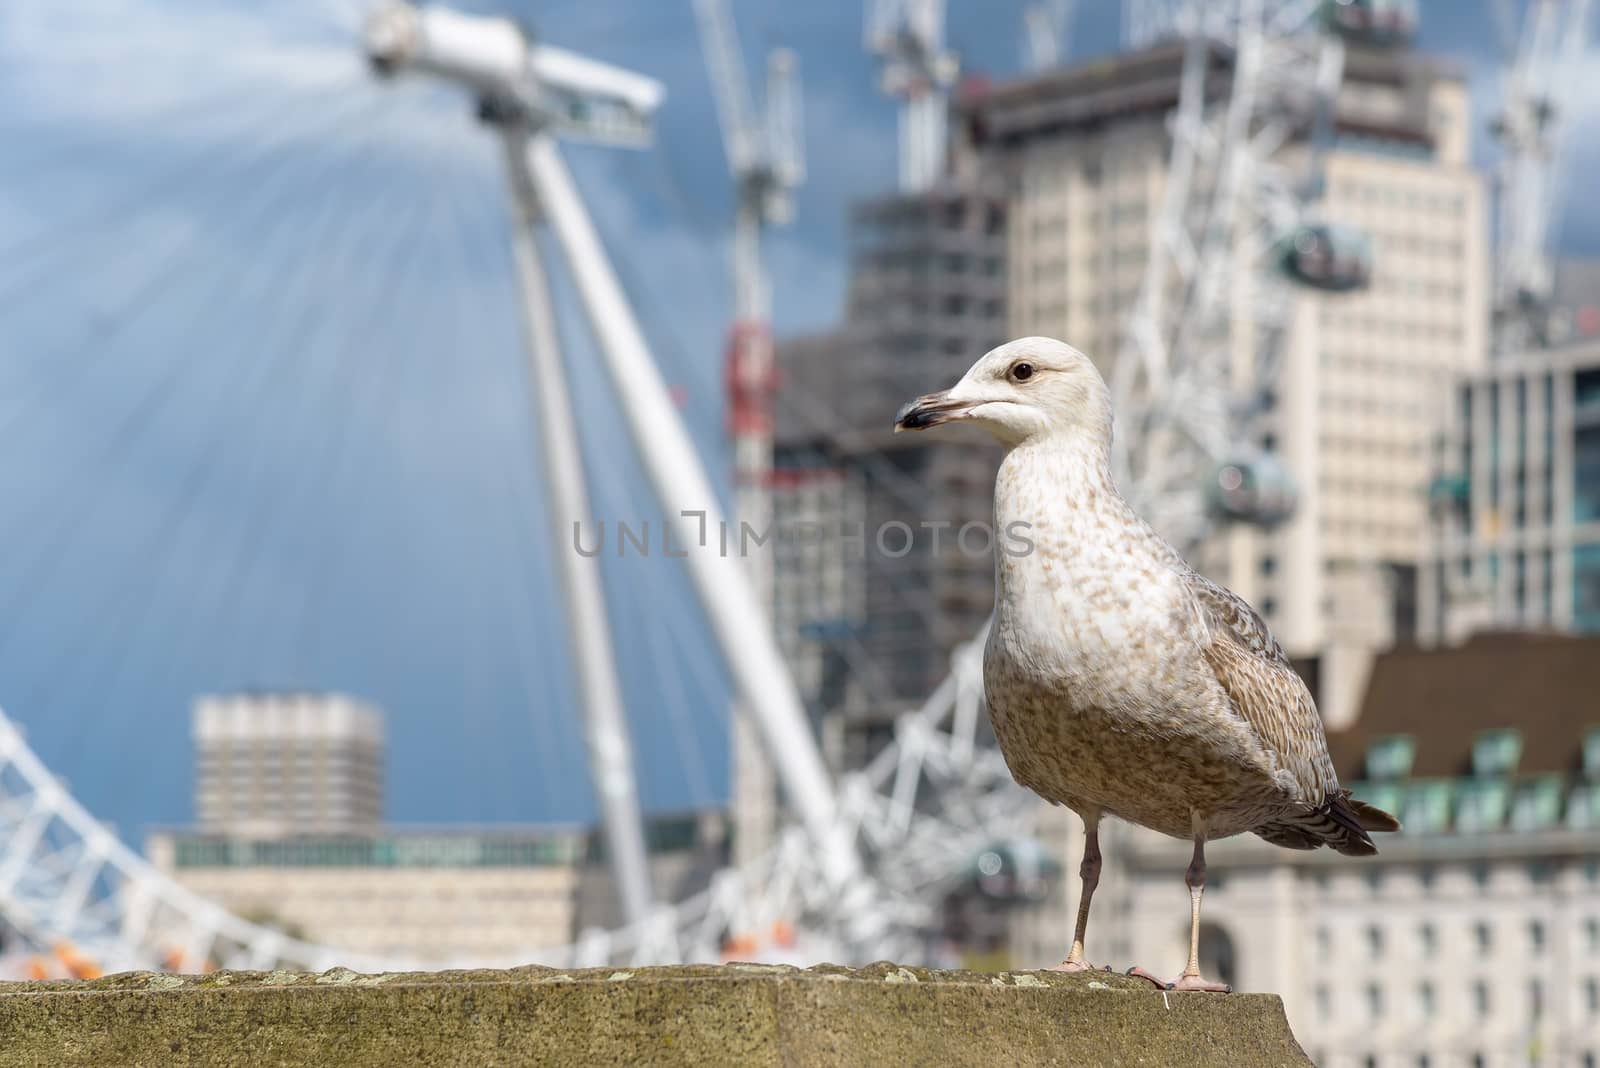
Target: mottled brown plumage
x,y
1119,681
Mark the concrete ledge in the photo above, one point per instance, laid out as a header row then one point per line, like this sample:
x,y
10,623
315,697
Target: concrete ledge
x,y
697,1015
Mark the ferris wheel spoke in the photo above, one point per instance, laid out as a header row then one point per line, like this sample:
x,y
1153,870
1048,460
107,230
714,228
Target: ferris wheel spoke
x,y
168,535
123,433
303,127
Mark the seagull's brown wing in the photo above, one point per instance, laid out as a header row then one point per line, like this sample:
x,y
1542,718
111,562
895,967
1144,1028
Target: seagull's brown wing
x,y
1270,696
1264,689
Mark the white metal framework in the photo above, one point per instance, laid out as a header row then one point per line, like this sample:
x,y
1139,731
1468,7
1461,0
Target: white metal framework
x,y
767,159
1208,291
1047,27
1539,83
916,815
908,35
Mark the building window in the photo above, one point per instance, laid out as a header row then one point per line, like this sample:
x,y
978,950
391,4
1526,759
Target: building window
x,y
1374,942
1425,1000
1374,1001
1535,1000
1481,934
1536,936
1428,935
1480,997
1591,995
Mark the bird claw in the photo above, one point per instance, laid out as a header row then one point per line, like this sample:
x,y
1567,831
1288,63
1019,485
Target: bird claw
x,y
1078,966
1196,983
1140,973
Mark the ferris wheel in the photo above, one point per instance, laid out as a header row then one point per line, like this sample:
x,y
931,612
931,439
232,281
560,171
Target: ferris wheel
x,y
1237,236
862,866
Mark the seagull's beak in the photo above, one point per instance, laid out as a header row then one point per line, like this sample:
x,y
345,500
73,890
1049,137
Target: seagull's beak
x,y
931,410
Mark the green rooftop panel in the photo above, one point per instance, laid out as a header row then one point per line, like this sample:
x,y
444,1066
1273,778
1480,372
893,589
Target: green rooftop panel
x,y
1496,752
1482,805
1591,753
1537,804
1583,808
1391,757
1426,808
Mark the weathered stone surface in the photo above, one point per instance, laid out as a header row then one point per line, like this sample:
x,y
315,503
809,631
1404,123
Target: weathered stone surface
x,y
744,1015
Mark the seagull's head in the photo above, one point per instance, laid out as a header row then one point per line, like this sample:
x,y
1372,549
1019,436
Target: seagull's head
x,y
1028,389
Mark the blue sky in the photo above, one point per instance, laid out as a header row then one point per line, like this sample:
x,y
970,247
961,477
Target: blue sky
x,y
262,390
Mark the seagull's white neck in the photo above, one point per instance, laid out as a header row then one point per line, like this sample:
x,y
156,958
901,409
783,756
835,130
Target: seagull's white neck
x,y
1059,488
1075,464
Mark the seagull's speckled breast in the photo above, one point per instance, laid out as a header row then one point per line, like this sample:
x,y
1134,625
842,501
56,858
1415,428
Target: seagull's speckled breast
x,y
1097,686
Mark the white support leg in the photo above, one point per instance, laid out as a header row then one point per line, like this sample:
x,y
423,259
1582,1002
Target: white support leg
x,y
605,724
742,629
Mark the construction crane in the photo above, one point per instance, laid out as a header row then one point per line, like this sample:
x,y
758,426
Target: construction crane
x,y
766,158
908,36
1538,81
1046,28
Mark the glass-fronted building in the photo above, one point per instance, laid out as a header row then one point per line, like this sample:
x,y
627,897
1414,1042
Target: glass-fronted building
x,y
1515,502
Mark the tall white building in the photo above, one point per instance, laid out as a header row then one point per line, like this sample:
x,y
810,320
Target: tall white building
x,y
1363,379
280,763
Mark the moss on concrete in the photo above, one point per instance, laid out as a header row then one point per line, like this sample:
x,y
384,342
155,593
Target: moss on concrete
x,y
704,1016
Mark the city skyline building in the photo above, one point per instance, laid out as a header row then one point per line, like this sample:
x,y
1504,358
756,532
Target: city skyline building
x,y
1516,499
278,762
927,292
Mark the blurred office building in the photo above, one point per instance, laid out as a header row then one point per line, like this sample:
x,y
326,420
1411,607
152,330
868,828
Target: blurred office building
x,y
269,763
288,794
1472,939
886,573
1364,375
426,894
1516,499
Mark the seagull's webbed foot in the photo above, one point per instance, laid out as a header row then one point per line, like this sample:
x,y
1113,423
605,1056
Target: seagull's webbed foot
x,y
1187,981
1070,965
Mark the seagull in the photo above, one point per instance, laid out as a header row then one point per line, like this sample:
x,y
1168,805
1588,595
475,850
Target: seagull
x,y
1120,682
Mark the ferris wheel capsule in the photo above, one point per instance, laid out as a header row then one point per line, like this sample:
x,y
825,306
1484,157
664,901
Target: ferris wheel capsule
x,y
1015,871
1335,259
1387,23
1251,487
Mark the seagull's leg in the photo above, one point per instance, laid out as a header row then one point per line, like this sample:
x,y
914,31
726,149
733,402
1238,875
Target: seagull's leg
x,y
1089,873
1195,878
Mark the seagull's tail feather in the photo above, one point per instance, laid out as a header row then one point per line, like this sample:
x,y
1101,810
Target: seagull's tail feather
x,y
1340,823
1372,818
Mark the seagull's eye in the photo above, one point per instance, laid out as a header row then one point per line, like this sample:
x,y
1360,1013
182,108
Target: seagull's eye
x,y
1021,372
